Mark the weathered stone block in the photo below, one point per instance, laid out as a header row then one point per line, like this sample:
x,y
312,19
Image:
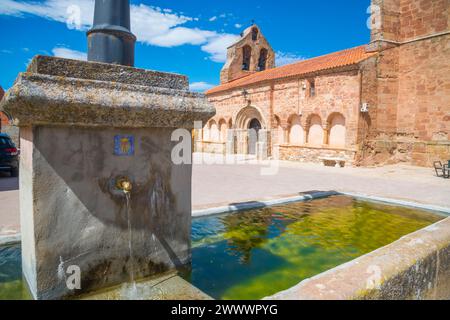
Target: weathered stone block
x,y
80,134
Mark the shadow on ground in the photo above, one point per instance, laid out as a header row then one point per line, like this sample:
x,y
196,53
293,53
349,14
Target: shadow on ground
x,y
8,183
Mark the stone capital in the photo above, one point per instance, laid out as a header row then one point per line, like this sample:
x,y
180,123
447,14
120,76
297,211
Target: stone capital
x,y
59,91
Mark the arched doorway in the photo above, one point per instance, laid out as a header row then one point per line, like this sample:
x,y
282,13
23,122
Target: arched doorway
x,y
246,119
254,126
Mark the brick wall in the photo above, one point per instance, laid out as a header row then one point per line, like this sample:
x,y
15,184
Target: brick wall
x,y
210,147
423,17
411,122
312,154
403,20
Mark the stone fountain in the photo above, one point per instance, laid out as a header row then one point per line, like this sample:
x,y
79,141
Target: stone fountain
x,y
92,133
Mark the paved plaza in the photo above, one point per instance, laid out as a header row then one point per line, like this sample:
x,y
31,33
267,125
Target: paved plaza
x,y
222,184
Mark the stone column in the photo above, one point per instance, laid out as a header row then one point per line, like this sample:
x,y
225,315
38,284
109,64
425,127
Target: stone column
x,y
286,135
262,145
230,141
326,131
242,143
85,129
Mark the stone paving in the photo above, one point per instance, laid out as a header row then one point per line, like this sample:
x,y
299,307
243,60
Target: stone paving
x,y
9,205
225,184
222,184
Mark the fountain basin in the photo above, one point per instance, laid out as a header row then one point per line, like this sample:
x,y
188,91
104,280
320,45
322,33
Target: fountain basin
x,y
256,253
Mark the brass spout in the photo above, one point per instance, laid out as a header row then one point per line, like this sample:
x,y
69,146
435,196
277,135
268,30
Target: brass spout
x,y
124,184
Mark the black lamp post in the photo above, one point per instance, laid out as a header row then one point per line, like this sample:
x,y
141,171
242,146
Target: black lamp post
x,y
110,39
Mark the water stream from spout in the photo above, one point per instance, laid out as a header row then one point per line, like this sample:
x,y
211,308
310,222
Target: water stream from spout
x,y
131,291
133,288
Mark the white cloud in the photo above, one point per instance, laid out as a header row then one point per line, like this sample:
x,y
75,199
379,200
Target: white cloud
x,y
221,16
180,36
282,58
217,46
238,25
151,25
69,54
200,86
57,10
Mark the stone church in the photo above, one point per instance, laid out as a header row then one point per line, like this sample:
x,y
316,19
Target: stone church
x,y
384,102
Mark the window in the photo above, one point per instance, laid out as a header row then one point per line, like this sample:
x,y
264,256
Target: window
x,y
255,34
262,60
246,56
312,88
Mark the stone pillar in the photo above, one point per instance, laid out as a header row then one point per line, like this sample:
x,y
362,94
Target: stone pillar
x,y
230,141
286,135
85,129
242,141
306,138
261,151
326,132
198,140
262,146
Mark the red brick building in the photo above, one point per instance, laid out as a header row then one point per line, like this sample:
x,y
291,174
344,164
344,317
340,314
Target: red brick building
x,y
384,102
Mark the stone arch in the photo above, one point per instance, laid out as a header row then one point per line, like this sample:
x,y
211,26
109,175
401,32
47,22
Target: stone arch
x,y
214,134
296,132
207,131
223,128
246,57
336,130
315,130
279,131
262,61
247,114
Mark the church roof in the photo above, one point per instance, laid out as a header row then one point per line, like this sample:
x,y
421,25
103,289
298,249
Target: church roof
x,y
330,61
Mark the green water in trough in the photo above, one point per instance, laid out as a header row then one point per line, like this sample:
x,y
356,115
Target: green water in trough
x,y
257,253
254,254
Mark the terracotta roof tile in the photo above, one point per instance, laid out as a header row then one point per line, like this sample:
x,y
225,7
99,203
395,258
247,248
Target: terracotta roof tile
x,y
329,61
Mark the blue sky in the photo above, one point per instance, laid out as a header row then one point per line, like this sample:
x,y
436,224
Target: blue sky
x,y
187,37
